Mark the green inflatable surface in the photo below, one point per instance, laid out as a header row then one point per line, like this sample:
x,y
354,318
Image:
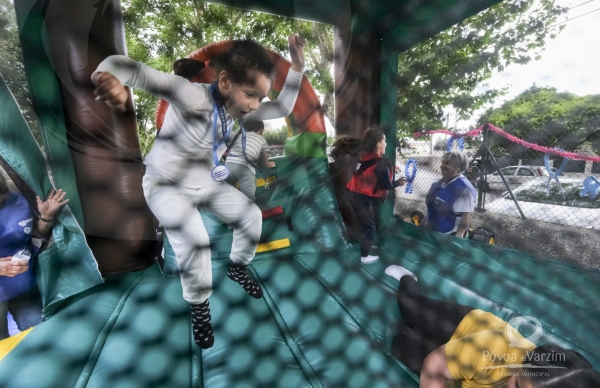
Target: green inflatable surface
x,y
325,320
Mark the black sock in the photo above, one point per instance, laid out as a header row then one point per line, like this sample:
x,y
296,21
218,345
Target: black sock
x,y
239,274
201,325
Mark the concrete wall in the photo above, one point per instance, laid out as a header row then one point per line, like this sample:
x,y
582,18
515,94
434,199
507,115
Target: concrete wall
x,y
543,239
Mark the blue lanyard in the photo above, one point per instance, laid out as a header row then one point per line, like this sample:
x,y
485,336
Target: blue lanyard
x,y
243,143
218,111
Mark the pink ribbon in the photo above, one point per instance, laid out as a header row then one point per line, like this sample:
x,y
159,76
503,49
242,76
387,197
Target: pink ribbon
x,y
514,139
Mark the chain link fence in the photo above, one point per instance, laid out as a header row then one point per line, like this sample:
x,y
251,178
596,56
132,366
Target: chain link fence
x,y
513,182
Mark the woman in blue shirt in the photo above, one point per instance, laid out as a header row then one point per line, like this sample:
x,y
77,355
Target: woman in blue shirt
x,y
18,227
451,200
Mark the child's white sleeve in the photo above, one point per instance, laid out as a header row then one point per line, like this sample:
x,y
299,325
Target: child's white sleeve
x,y
285,102
174,89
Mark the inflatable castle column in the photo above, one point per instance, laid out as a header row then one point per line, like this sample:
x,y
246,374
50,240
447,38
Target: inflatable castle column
x,y
103,143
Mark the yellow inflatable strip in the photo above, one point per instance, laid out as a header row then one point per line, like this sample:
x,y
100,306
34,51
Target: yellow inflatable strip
x,y
8,344
261,182
272,245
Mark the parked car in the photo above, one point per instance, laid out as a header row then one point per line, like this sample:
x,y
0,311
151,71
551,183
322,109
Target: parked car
x,y
564,206
515,176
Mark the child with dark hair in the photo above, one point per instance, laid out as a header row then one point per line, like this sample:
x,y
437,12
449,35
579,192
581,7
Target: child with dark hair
x,y
444,342
248,152
21,232
371,180
183,171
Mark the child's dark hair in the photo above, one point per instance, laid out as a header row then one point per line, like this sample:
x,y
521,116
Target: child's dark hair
x,y
557,367
346,145
373,136
243,55
187,67
254,126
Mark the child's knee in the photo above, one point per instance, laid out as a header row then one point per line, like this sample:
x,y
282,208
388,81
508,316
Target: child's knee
x,y
255,214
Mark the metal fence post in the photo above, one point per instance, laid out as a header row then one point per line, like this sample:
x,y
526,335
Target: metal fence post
x,y
504,180
483,151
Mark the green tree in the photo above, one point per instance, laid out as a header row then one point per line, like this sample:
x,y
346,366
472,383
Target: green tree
x,y
159,32
11,65
276,136
543,116
451,68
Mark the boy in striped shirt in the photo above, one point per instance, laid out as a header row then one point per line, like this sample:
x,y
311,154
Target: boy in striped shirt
x,y
242,165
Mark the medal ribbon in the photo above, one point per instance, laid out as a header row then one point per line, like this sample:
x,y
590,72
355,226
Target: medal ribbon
x,y
218,111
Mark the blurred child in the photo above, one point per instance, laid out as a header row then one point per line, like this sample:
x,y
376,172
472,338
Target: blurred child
x,y
247,153
371,180
21,231
183,170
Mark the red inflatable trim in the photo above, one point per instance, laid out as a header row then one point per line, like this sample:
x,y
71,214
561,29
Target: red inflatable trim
x,y
272,212
308,113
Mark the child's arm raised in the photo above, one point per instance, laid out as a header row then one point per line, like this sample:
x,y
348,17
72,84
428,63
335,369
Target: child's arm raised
x,y
287,98
296,44
118,71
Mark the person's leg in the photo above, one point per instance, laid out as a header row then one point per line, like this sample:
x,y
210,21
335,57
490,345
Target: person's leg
x,y
363,208
4,320
26,309
175,208
234,208
247,182
232,179
433,319
411,349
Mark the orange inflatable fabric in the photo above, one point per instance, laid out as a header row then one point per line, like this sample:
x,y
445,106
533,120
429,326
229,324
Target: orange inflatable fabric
x,y
307,115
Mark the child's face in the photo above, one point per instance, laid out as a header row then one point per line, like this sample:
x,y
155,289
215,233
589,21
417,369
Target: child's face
x,y
241,99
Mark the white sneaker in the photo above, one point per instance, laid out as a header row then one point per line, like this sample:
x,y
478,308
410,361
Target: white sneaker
x,y
397,272
368,259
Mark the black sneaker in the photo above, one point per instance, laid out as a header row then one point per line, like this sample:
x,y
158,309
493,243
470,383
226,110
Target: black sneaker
x,y
239,274
201,325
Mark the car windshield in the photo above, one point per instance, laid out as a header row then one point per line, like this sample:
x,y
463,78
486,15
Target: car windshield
x,y
525,172
537,193
509,171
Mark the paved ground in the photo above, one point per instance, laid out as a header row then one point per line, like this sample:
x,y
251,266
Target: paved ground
x,y
542,239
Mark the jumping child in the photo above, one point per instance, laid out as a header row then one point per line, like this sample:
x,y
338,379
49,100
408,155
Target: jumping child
x,y
183,171
371,180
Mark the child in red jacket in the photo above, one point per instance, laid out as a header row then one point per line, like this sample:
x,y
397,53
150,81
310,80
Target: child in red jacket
x,y
371,180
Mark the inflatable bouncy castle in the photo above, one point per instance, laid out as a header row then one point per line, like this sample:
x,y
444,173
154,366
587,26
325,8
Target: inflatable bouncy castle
x,y
113,308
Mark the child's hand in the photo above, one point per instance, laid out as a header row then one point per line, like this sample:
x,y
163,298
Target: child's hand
x,y
12,268
52,204
401,181
110,90
297,52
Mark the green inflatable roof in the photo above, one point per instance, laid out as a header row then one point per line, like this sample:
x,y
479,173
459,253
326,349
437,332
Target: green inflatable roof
x,y
402,23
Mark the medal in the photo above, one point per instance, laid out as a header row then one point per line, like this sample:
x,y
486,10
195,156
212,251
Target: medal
x,y
219,173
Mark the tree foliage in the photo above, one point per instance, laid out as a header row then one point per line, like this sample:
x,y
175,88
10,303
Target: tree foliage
x,y
160,32
451,68
276,136
11,65
543,116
